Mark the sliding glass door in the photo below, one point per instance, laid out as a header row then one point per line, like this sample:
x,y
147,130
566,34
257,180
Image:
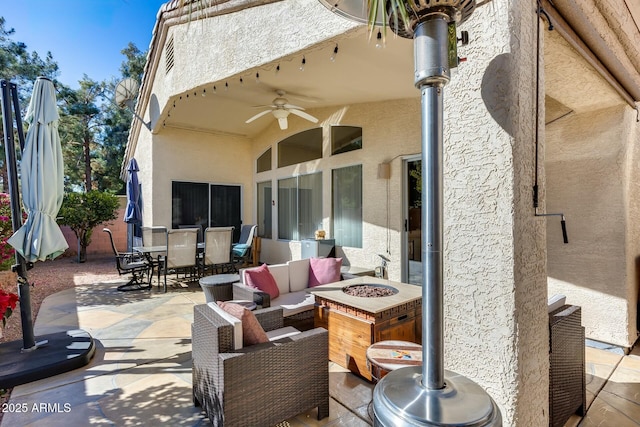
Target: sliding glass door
x,y
206,205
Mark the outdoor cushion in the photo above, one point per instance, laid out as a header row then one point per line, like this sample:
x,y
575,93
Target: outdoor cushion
x,y
234,321
294,302
261,278
324,270
240,249
252,331
280,333
298,274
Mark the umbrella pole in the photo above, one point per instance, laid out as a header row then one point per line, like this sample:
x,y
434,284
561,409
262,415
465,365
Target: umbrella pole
x,y
9,92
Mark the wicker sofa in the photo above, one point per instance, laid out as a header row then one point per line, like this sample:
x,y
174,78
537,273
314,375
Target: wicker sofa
x,y
262,384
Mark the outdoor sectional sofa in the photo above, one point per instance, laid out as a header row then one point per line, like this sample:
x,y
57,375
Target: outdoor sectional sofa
x,y
292,279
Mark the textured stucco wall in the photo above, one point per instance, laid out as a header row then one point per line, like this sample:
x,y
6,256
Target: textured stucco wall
x,y
193,156
591,168
496,321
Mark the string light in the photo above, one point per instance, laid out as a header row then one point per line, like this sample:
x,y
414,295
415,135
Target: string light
x,y
379,40
226,85
277,68
333,55
257,77
204,92
241,81
303,63
215,90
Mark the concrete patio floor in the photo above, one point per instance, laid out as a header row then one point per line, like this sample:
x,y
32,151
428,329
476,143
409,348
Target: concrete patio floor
x,y
141,372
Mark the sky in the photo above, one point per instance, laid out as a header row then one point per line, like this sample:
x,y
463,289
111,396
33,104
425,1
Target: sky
x,y
84,36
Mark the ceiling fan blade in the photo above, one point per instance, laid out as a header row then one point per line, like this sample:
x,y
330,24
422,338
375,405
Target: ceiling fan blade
x,y
257,116
291,106
304,115
284,124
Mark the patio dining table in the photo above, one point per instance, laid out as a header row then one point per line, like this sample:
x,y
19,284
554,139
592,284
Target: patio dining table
x,y
156,251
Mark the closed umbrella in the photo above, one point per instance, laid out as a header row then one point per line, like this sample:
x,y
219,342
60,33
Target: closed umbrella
x,y
42,172
132,214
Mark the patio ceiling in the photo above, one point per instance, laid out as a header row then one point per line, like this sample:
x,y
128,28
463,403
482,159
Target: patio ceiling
x,y
323,83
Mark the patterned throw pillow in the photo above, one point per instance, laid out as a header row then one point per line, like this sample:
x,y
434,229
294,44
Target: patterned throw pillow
x,y
252,331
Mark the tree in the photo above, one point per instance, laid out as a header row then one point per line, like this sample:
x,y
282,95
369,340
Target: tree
x,y
21,67
117,123
82,212
80,123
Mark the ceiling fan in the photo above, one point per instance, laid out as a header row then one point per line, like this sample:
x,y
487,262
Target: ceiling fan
x,y
280,108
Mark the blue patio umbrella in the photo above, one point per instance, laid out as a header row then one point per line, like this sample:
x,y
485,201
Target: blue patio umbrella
x,y
133,215
42,171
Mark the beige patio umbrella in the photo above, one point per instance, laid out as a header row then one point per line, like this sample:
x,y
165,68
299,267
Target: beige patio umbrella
x,y
42,172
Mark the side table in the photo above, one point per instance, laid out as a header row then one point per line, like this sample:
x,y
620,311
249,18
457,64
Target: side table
x,y
386,356
218,287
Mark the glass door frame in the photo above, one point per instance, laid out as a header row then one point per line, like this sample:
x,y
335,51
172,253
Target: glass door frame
x,y
405,270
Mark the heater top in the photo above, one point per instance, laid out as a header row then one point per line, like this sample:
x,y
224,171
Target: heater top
x,y
356,10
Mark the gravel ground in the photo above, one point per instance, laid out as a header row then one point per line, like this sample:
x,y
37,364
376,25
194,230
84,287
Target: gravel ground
x,y
46,279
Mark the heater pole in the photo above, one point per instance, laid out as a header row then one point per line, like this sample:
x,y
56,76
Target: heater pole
x,y
432,72
432,213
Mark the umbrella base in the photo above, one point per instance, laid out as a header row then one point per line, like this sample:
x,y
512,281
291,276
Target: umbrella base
x,y
64,352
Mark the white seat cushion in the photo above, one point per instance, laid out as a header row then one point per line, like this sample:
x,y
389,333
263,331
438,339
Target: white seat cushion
x,y
555,302
277,334
235,322
294,302
298,274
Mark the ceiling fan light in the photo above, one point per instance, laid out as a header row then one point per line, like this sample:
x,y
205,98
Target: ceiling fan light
x,y
283,123
280,114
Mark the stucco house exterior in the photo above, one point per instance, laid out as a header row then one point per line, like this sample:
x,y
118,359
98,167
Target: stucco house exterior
x,y
557,108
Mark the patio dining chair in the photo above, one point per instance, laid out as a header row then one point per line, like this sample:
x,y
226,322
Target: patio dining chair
x,y
242,250
133,264
154,236
181,254
196,226
217,250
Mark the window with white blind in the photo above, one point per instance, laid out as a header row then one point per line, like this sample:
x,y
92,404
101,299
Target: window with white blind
x,y
347,206
299,206
264,209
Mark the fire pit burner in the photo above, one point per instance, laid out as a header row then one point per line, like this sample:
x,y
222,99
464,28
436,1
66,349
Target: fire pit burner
x,y
369,291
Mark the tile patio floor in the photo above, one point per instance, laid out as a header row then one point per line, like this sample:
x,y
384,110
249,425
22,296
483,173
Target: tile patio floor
x,y
141,372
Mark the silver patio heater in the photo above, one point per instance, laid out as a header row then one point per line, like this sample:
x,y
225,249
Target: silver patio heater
x,y
428,395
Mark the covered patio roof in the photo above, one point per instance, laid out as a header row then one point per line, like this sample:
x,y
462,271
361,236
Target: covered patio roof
x,y
362,72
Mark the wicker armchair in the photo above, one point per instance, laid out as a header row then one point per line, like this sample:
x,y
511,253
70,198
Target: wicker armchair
x,y
262,384
567,383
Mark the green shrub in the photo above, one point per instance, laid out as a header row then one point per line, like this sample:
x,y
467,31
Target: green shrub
x,y
84,211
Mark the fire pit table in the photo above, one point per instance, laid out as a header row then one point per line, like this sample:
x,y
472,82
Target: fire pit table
x,y
365,310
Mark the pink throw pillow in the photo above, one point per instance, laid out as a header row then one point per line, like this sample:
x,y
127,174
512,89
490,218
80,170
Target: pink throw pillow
x,y
261,278
324,270
252,331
